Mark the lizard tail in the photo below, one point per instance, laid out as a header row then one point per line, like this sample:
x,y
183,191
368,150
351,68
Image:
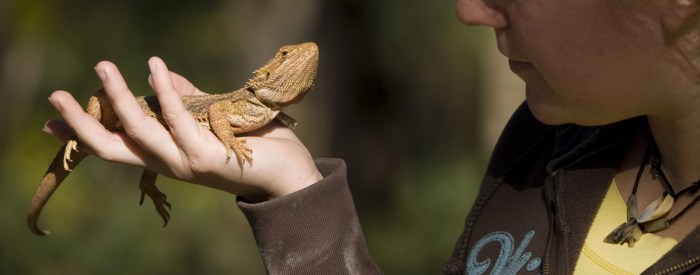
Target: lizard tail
x,y
52,179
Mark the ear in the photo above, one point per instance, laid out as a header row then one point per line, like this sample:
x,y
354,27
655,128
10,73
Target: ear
x,y
678,13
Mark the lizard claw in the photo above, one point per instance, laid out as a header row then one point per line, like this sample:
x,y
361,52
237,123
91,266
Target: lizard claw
x,y
240,148
148,187
71,145
160,201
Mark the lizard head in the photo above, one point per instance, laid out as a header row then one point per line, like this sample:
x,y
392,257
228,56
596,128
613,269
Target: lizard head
x,y
287,77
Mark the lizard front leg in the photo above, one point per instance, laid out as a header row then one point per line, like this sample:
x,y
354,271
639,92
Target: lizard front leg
x,y
222,128
244,113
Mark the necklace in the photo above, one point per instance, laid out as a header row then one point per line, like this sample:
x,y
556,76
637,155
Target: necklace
x,y
654,217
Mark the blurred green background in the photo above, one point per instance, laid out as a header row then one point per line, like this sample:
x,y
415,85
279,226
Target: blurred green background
x,y
409,97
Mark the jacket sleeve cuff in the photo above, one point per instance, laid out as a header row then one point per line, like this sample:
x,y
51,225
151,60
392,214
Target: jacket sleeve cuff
x,y
312,231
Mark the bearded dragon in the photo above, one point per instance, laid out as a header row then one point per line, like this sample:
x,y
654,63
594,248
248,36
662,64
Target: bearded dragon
x,y
283,80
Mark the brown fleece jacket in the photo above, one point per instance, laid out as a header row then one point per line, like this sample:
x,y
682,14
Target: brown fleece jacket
x,y
539,196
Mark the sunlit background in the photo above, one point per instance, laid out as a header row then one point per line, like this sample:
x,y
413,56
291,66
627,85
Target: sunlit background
x,y
409,97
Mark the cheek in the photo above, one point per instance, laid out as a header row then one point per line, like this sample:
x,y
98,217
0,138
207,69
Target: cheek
x,y
585,71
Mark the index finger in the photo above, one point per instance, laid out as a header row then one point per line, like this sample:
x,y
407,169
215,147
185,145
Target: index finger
x,y
182,125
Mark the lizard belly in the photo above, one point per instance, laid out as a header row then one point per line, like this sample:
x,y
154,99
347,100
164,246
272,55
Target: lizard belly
x,y
252,118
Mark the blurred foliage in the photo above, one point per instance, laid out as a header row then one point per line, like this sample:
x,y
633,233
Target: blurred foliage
x,y
397,98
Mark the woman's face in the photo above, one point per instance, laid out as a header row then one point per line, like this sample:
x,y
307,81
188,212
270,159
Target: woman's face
x,y
580,62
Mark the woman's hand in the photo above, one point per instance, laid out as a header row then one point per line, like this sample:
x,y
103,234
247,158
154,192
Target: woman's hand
x,y
281,164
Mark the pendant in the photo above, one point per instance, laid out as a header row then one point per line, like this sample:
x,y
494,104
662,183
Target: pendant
x,y
650,220
628,232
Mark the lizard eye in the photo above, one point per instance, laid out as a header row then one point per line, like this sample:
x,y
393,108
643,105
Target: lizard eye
x,y
284,53
267,76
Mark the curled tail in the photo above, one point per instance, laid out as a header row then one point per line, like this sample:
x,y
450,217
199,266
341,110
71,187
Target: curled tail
x,y
52,179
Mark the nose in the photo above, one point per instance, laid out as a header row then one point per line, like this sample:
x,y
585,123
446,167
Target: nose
x,y
478,12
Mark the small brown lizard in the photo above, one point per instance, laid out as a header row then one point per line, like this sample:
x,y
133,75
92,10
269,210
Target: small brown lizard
x,y
284,80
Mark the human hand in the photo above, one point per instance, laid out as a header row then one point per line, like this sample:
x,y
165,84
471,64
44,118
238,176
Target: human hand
x,y
281,163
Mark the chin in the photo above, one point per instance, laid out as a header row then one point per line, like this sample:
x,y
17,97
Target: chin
x,y
543,107
547,118
557,115
550,110
547,113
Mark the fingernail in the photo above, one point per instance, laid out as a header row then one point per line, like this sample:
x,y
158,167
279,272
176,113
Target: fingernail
x,y
46,129
152,65
55,104
101,74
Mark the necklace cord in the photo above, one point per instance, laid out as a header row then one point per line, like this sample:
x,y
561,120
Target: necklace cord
x,y
653,151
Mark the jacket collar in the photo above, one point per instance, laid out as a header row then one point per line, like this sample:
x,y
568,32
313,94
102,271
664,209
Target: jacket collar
x,y
574,144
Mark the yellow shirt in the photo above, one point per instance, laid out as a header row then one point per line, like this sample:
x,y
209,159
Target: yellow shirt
x,y
599,257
